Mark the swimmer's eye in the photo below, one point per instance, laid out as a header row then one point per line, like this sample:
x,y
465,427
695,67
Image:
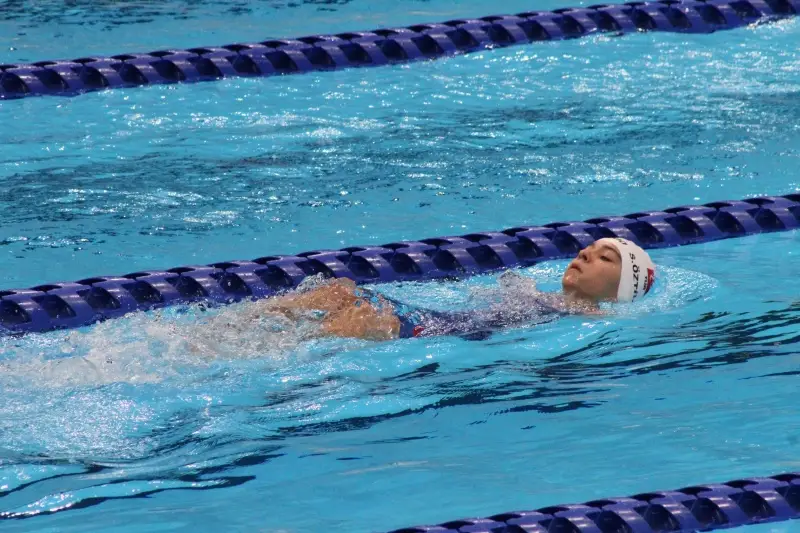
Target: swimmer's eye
x,y
606,259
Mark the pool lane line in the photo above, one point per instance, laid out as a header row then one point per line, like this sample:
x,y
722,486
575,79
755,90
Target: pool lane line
x,y
381,46
75,304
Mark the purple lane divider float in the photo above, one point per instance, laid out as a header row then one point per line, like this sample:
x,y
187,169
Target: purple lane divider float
x,y
699,508
380,47
74,304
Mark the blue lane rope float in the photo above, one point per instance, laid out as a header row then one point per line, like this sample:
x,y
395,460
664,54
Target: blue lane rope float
x,y
380,47
76,304
699,508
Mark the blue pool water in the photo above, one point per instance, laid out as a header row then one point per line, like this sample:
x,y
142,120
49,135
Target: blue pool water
x,y
265,432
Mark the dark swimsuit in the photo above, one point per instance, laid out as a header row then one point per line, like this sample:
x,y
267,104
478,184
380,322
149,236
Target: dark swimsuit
x,y
473,325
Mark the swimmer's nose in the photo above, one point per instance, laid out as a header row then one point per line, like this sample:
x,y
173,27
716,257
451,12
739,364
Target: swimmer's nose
x,y
583,255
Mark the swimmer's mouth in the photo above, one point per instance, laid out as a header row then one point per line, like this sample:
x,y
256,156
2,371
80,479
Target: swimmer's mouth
x,y
576,267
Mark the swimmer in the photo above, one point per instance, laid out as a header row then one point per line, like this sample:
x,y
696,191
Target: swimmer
x,y
608,270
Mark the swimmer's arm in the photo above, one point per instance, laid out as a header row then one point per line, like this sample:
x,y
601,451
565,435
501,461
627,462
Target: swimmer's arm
x,y
328,298
362,322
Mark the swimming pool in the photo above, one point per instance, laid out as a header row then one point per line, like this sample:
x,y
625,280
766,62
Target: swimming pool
x,y
347,436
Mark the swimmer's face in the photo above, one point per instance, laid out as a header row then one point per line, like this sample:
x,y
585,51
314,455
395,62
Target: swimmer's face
x,y
594,274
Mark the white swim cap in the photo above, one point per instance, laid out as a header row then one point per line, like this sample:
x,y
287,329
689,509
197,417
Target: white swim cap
x,y
638,271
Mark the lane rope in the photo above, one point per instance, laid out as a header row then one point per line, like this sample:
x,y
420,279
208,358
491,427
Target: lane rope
x,y
381,46
698,508
75,304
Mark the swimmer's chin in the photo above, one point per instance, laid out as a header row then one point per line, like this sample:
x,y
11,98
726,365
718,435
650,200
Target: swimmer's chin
x,y
576,300
570,285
